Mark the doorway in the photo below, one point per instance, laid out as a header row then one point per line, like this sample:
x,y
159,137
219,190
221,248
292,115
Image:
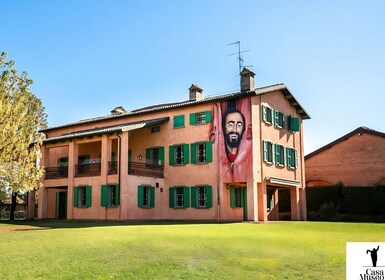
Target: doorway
x,y
238,199
61,205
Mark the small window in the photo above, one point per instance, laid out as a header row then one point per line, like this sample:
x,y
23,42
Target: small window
x,y
146,197
268,152
178,121
201,153
179,197
82,196
201,197
267,114
179,154
279,155
279,119
291,158
200,118
110,195
155,129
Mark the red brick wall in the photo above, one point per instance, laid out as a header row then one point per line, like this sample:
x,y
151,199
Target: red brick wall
x,y
356,161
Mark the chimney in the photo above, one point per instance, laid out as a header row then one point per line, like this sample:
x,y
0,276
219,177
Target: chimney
x,y
118,110
196,93
247,80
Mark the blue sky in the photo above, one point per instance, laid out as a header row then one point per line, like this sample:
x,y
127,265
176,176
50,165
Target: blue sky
x,y
87,57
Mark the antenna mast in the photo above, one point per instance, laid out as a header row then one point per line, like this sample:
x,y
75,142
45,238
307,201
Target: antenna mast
x,y
240,60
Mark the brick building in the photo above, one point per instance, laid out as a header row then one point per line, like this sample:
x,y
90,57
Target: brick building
x,y
355,159
220,158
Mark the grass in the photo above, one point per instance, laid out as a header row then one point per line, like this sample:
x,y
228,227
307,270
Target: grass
x,y
112,250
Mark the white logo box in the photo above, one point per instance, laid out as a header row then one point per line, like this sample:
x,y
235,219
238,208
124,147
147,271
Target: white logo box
x,y
361,258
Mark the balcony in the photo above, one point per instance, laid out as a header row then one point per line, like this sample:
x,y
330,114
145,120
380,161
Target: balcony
x,y
145,169
56,172
87,170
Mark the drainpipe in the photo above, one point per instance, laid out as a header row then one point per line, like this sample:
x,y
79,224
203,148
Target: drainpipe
x,y
119,157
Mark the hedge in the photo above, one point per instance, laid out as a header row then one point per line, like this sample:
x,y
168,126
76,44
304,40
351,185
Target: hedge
x,y
346,201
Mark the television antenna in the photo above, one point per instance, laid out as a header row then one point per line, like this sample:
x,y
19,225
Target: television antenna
x,y
240,59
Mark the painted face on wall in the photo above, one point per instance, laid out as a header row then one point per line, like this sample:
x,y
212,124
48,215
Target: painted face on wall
x,y
234,128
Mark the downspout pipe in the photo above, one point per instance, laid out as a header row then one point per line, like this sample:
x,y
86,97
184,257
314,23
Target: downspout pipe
x,y
119,163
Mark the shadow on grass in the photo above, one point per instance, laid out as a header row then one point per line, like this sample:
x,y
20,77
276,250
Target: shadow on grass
x,y
26,225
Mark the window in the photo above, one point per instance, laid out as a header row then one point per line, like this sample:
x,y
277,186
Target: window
x,y
267,114
82,196
201,197
279,119
155,156
200,118
110,195
179,197
279,155
201,152
178,121
268,152
179,154
146,196
235,197
291,158
293,123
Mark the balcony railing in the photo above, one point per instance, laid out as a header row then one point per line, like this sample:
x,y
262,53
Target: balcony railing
x,y
86,170
112,167
144,169
56,172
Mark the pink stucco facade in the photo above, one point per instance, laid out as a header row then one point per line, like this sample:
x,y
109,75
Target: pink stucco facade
x,y
187,179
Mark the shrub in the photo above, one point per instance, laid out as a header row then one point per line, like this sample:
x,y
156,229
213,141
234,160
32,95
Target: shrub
x,y
327,212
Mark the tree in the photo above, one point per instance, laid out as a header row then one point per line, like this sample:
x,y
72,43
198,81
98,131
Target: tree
x,y
22,116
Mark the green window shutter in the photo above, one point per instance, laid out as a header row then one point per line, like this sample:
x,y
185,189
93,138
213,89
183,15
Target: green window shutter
x,y
296,158
288,157
192,118
283,121
178,121
193,153
75,194
295,124
152,197
208,116
57,205
161,155
104,196
264,113
194,197
117,189
171,155
277,153
88,196
232,197
276,117
209,197
265,152
186,154
148,155
171,197
209,151
186,197
140,196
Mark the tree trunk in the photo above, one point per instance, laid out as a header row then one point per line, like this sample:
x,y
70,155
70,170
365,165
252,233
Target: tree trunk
x,y
13,206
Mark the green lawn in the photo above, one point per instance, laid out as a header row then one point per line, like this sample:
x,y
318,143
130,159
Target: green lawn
x,y
96,250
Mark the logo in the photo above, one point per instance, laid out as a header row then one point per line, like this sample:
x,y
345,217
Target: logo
x,y
365,260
